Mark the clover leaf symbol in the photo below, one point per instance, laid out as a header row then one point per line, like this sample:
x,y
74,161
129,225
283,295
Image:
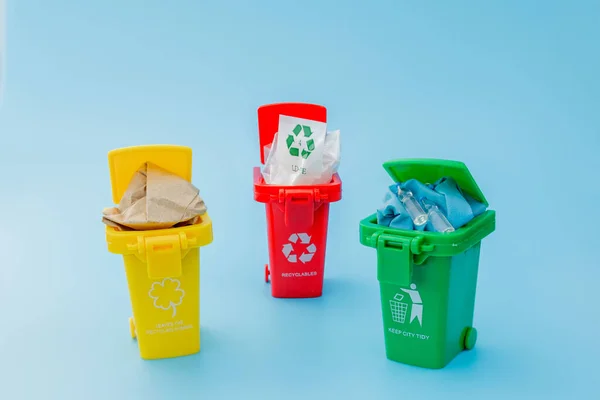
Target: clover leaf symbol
x,y
167,294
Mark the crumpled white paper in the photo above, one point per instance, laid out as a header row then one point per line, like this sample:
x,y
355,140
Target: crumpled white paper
x,y
302,153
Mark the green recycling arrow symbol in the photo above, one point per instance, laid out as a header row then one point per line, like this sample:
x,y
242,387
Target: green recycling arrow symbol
x,y
291,141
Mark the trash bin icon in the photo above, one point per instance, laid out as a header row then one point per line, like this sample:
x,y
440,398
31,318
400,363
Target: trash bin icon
x,y
428,279
297,216
162,266
398,308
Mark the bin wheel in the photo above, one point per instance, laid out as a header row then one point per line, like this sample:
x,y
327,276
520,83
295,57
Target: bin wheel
x,y
132,328
267,273
470,338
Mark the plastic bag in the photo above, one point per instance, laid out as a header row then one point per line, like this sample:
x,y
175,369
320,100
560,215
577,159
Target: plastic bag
x,y
456,206
302,153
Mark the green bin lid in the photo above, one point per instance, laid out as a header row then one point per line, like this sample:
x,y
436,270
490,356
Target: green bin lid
x,y
430,170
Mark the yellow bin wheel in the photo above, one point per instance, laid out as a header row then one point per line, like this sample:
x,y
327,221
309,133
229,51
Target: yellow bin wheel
x,y
132,327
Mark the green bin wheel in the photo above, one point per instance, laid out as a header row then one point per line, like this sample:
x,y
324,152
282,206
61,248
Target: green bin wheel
x,y
132,328
470,338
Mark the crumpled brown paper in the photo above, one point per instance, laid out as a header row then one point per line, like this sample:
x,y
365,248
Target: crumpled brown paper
x,y
156,199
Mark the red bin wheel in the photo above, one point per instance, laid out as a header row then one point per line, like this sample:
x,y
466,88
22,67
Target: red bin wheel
x,y
267,273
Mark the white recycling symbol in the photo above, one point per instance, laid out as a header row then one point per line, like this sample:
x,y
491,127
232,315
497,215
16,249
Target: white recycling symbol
x,y
288,248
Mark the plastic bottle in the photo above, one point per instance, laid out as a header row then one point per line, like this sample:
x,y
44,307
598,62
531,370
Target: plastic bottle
x,y
414,209
439,222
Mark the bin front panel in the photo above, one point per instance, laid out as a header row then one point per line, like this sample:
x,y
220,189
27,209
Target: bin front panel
x,y
297,250
414,316
166,310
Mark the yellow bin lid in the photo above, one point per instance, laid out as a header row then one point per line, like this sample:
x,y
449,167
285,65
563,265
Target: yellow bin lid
x,y
124,162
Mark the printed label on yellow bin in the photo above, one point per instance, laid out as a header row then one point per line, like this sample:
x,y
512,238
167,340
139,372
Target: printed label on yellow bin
x,y
166,311
167,295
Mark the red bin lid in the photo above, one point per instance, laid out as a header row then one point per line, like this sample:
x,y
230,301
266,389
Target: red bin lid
x,y
268,119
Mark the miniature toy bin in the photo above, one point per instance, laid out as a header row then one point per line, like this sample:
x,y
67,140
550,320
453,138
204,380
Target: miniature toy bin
x,y
162,266
428,279
297,216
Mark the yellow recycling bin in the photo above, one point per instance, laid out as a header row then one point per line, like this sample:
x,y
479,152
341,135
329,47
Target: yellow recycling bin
x,y
162,266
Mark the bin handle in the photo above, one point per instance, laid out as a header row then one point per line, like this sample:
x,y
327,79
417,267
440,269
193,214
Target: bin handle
x,y
140,245
299,207
317,196
418,249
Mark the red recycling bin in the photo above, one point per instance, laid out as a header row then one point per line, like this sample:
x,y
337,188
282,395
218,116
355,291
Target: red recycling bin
x,y
297,216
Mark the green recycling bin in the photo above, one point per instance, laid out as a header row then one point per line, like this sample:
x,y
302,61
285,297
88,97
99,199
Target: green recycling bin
x,y
428,279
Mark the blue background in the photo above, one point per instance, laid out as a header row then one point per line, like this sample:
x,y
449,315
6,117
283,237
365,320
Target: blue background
x,y
510,88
